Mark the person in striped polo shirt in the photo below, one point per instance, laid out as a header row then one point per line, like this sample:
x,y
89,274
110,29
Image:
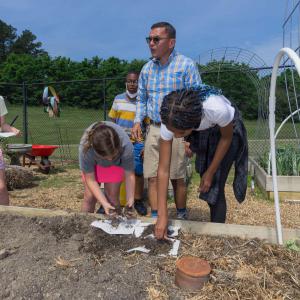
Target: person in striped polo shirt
x,y
166,71
123,113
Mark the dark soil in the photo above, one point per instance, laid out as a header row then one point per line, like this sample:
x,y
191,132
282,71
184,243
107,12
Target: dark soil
x,y
65,258
98,263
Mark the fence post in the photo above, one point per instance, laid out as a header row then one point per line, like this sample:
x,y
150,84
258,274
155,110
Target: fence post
x,y
25,114
104,100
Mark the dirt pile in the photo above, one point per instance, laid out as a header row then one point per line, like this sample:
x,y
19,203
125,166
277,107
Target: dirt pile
x,y
65,258
18,177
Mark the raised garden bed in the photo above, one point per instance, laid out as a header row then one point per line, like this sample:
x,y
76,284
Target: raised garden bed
x,y
288,186
62,257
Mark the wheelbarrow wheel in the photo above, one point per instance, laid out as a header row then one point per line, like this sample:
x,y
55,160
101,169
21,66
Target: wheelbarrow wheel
x,y
45,165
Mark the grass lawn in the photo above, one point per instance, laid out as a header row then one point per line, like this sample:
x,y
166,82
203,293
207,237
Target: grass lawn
x,y
68,129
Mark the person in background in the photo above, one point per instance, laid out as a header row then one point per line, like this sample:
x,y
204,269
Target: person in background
x,y
123,113
214,130
106,155
4,198
166,71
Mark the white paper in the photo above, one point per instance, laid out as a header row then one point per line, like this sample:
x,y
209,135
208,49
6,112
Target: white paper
x,y
136,227
7,134
140,249
108,228
149,236
138,231
125,227
175,248
145,224
173,230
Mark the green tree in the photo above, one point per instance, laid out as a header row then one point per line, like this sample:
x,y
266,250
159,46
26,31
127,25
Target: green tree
x,y
11,43
238,82
25,44
7,38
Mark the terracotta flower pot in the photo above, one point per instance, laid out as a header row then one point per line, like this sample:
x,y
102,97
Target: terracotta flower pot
x,y
192,272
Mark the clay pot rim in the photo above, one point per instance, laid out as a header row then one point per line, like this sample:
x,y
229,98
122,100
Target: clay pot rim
x,y
204,271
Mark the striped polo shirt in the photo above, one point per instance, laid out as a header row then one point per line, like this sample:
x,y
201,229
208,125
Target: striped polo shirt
x,y
123,112
156,81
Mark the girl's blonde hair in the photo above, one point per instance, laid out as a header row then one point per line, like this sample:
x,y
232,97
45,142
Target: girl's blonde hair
x,y
104,140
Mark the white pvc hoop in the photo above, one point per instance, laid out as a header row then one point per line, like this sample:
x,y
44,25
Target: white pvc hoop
x,y
272,101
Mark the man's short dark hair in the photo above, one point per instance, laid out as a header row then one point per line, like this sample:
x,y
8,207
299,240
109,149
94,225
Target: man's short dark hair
x,y
169,28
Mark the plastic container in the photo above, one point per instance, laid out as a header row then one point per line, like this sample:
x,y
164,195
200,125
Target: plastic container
x,y
123,194
192,272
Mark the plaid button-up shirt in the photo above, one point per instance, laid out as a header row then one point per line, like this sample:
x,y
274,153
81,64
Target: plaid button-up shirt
x,y
156,81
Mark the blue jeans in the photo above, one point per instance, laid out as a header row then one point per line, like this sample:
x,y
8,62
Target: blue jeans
x,y
138,160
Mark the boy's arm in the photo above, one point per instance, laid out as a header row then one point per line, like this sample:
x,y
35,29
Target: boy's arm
x,y
141,108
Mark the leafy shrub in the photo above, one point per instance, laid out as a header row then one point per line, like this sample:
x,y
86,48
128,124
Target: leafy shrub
x,y
287,161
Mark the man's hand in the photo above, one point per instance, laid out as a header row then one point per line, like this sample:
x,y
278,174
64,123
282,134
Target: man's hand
x,y
188,151
136,132
206,181
161,228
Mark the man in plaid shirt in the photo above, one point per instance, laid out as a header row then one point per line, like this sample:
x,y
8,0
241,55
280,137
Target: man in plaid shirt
x,y
167,71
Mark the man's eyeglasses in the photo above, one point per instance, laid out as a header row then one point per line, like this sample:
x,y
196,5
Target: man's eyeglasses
x,y
133,82
155,39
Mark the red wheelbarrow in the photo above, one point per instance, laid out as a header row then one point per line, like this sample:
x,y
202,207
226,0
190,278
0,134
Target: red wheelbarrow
x,y
44,151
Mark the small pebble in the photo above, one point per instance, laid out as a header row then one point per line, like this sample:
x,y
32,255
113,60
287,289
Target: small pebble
x,y
4,253
77,237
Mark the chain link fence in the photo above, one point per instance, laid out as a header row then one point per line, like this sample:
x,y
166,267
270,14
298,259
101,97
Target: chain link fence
x,y
83,102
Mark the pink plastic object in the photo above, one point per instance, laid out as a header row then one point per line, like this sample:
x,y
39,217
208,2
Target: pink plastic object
x,y
110,174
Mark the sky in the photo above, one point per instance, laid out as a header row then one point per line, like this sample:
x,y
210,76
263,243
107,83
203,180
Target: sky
x,y
83,29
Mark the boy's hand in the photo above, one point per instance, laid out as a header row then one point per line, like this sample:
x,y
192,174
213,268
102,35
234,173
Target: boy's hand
x,y
136,132
142,153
